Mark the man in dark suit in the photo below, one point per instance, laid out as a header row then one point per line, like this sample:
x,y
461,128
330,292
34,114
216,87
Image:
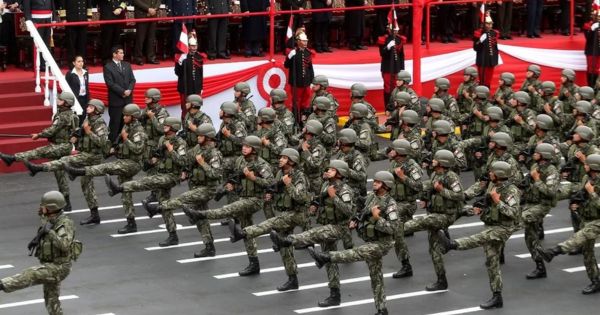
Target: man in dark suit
x,y
145,33
217,29
75,11
321,22
120,82
110,33
181,8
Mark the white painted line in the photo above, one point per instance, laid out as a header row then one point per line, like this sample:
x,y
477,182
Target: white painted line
x,y
6,266
528,255
466,225
36,301
218,240
107,314
555,231
138,218
102,208
461,311
267,270
191,260
367,301
576,269
320,285
189,227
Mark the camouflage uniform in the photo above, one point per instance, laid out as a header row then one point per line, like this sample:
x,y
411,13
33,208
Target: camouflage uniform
x,y
413,136
464,102
247,113
288,122
366,143
451,145
414,98
501,97
270,153
195,120
231,147
521,132
480,143
313,163
334,102
328,137
566,95
54,253
154,130
452,109
536,84
476,189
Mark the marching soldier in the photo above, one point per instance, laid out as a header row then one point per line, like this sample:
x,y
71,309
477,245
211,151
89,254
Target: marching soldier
x,y
284,115
75,11
568,88
393,123
463,93
91,143
377,224
550,104
532,84
358,92
406,187
230,136
254,177
291,197
55,246
442,86
170,161
521,121
321,112
194,118
129,151
335,208
435,111
582,116
359,122
319,86
504,92
64,124
403,79
246,107
313,155
588,208
500,214
409,132
473,123
444,139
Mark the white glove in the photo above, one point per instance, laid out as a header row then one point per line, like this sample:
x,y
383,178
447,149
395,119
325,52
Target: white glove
x,y
483,37
291,54
391,44
595,26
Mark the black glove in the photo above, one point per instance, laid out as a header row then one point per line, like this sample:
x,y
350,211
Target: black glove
x,y
33,244
47,228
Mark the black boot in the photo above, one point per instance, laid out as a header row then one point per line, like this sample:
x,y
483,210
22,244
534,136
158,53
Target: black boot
x,y
94,217
151,208
7,158
68,207
440,284
502,256
113,187
280,241
382,311
320,258
333,299
74,171
193,215
151,197
236,232
33,168
224,222
577,251
1,286
291,284
208,251
405,271
549,253
592,288
447,243
538,272
541,233
252,269
495,301
130,227
170,241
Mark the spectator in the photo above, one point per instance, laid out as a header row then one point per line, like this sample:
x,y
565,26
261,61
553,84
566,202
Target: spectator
x,y
75,11
110,33
7,29
321,22
181,8
355,24
190,74
534,18
301,73
78,81
294,5
40,11
565,14
217,29
381,17
120,82
145,33
254,28
445,23
505,11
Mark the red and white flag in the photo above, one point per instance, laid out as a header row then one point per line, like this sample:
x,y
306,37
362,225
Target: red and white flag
x,y
596,5
393,19
182,45
482,12
290,29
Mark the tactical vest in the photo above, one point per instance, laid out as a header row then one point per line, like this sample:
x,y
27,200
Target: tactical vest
x,y
401,191
533,195
246,107
227,146
153,134
518,132
48,251
167,165
440,204
367,230
250,189
283,200
86,144
328,213
492,216
63,134
198,177
264,152
191,138
123,151
588,211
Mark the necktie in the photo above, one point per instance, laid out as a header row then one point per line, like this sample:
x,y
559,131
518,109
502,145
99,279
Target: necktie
x,y
120,67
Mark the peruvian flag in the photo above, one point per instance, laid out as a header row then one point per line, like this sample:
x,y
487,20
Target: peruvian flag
x,y
393,19
182,45
290,32
482,11
596,5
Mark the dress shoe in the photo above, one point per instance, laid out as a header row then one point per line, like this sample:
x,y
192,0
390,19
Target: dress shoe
x,y
361,47
537,35
154,62
452,40
139,62
327,50
223,56
212,57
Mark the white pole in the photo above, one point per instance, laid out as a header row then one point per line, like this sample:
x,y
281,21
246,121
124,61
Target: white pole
x,y
46,92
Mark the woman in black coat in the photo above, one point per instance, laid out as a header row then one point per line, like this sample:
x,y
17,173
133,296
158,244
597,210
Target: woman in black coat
x,y
79,81
254,28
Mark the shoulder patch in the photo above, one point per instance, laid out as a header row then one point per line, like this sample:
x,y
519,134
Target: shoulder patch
x,y
161,120
456,187
215,163
137,138
393,215
316,153
551,180
346,197
557,108
511,201
288,121
330,128
100,131
414,144
181,150
415,174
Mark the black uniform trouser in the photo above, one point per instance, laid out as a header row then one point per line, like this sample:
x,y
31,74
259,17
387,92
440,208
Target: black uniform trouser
x,y
110,36
45,35
446,17
565,10
83,100
217,37
505,11
76,40
321,34
381,21
145,39
116,122
534,16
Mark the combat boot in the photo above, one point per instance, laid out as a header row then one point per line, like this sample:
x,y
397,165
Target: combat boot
x,y
447,243
252,269
151,197
193,215
170,241
94,217
291,284
501,259
236,232
382,311
1,286
541,233
208,251
74,172
320,258
592,288
151,208
113,188
68,207
33,168
440,284
549,253
130,227
538,272
495,301
333,299
405,271
280,241
7,158
224,222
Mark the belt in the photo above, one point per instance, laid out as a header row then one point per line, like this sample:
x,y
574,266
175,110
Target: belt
x,y
41,14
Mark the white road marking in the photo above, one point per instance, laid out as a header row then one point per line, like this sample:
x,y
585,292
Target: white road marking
x,y
191,260
460,311
36,301
107,314
189,227
367,301
576,269
6,266
528,255
266,270
218,240
101,208
555,231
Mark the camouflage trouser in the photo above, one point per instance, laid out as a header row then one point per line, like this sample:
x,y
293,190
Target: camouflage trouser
x,y
243,209
406,210
283,223
532,216
432,222
359,199
585,239
125,170
475,190
53,152
163,184
315,181
492,238
49,275
327,236
228,171
80,160
372,254
198,198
